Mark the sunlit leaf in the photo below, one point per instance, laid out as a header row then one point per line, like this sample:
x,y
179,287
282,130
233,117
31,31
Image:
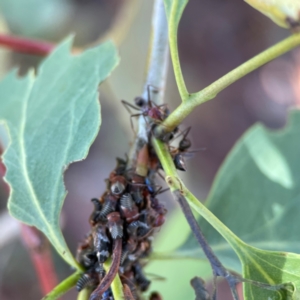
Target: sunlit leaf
x,y
52,119
285,13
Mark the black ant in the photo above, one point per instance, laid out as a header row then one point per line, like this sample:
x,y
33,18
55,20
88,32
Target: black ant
x,y
182,149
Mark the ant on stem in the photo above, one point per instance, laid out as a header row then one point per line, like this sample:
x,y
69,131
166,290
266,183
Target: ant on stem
x,y
156,113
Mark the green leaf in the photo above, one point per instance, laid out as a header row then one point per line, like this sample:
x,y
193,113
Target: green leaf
x,y
167,271
52,119
276,268
35,17
256,194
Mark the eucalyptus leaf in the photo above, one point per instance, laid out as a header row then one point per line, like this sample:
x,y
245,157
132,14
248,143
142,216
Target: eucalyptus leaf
x,y
256,194
167,271
52,120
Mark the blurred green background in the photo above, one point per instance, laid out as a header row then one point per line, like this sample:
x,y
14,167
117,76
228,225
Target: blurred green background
x,y
214,37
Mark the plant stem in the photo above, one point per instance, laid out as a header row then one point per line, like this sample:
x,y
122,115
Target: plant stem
x,y
116,285
158,55
176,184
25,45
40,253
84,294
181,194
156,73
210,92
111,277
63,287
173,27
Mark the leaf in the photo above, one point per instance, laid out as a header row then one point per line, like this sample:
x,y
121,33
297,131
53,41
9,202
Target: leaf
x,y
256,194
276,268
175,271
52,119
35,17
284,13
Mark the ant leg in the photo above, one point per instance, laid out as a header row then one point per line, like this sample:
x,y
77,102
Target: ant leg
x,y
149,96
186,132
160,191
131,123
155,90
126,104
161,176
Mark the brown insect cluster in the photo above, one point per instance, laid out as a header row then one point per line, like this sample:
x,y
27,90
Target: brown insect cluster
x,y
123,222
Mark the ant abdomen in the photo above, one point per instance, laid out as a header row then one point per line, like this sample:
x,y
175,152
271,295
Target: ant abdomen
x,y
179,162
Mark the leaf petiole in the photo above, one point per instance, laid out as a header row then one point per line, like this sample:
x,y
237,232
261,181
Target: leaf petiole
x,y
63,287
210,92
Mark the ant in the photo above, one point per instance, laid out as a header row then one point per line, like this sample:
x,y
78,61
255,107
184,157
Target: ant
x,y
182,150
147,108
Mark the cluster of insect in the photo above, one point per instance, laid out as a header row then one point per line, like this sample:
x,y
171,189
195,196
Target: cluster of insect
x,y
126,216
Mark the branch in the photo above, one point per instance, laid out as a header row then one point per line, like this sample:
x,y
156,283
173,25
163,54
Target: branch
x,y
111,277
210,92
25,45
156,72
179,193
158,55
40,254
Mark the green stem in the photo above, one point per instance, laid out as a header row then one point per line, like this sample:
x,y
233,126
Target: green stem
x,y
175,183
173,27
63,287
116,285
84,294
210,92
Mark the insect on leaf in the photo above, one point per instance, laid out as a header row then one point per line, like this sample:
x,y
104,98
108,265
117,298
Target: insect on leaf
x,y
52,119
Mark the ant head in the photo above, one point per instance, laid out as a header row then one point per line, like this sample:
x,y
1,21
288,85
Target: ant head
x,y
139,101
184,144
